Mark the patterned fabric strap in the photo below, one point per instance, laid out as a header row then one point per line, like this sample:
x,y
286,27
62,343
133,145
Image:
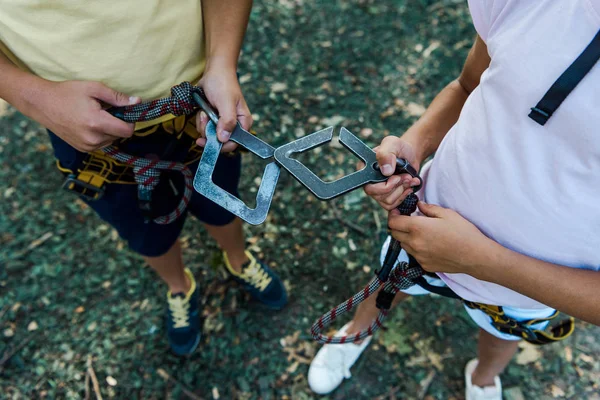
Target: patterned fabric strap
x,y
147,175
146,171
180,103
401,277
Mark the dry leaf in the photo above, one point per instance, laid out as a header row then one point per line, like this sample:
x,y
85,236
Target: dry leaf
x,y
586,358
432,47
415,110
529,354
79,309
332,121
366,132
245,78
9,332
557,392
111,381
32,326
279,87
568,354
215,393
292,368
163,374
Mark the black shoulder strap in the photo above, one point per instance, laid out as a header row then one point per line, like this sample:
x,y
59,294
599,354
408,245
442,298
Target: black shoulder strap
x,y
566,82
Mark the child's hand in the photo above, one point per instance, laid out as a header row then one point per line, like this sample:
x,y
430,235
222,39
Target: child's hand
x,y
224,93
442,240
391,193
74,110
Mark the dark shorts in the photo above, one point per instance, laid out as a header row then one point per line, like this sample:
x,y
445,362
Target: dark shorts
x,y
119,204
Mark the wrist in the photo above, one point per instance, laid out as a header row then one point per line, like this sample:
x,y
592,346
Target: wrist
x,y
25,92
489,261
221,65
418,145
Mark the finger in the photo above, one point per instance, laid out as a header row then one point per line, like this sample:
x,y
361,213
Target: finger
x,y
402,223
400,236
386,155
407,247
105,123
227,121
384,188
229,147
112,97
396,198
201,122
201,142
431,210
244,116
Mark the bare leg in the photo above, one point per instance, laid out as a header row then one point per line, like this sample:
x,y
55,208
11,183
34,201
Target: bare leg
x,y
170,268
494,356
367,311
231,239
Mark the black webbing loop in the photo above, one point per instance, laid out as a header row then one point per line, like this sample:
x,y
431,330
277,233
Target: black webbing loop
x,y
565,84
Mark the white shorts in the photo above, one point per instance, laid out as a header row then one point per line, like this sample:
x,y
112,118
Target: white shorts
x,y
483,320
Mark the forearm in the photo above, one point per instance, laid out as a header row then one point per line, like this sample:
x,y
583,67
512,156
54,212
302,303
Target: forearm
x,y
18,87
573,291
225,23
427,133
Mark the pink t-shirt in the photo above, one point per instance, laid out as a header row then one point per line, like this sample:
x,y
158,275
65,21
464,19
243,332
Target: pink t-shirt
x,y
534,189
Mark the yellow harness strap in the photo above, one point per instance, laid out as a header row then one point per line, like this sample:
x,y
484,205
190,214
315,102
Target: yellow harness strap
x,y
511,326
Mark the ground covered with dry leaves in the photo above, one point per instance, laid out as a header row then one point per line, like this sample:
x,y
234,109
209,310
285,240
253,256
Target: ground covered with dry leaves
x,y
76,303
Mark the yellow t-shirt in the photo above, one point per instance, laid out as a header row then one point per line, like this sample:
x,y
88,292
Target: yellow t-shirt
x,y
138,47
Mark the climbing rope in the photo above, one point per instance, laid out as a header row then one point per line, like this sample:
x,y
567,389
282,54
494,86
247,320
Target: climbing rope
x,y
145,170
392,277
147,173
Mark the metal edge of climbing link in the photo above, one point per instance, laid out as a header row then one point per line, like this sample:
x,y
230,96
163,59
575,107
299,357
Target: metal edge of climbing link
x,y
329,190
204,184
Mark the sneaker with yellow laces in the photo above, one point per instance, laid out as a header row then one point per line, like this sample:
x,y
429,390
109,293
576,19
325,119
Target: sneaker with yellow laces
x,y
183,319
260,281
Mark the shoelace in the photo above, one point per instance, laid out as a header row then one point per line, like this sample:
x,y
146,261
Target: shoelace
x,y
257,276
179,309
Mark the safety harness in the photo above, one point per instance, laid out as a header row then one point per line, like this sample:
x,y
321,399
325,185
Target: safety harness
x,y
112,165
394,276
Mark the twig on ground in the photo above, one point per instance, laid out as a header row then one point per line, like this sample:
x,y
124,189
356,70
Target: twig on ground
x,y
87,385
165,375
92,375
344,221
425,383
8,354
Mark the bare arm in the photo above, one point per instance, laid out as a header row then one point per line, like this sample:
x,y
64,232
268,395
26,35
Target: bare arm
x,y
73,110
574,291
444,241
225,23
424,137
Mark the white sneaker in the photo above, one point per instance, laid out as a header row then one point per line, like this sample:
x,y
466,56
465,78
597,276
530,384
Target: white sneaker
x,y
478,393
332,364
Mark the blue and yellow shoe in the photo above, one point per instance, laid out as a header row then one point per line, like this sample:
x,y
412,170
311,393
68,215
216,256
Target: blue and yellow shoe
x,y
260,281
183,319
